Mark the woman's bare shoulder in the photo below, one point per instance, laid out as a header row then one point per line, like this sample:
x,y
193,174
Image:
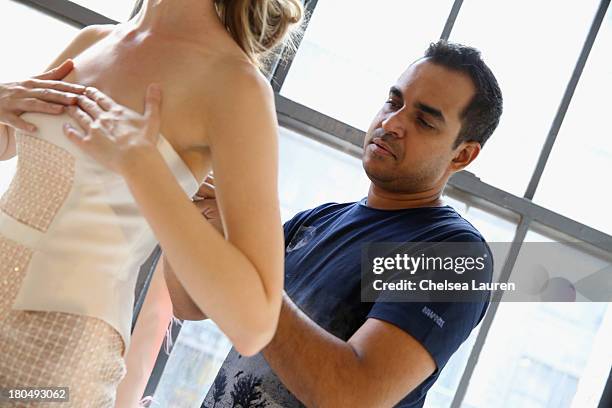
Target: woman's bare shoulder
x,y
87,37
96,32
218,88
228,78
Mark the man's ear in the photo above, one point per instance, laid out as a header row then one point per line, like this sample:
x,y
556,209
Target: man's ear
x,y
465,153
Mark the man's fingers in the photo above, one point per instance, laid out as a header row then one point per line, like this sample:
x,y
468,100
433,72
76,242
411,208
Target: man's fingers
x,y
58,72
206,190
206,206
36,105
103,100
82,118
51,95
210,179
20,124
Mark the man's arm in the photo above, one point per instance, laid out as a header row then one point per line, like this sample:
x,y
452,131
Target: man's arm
x,y
377,366
183,306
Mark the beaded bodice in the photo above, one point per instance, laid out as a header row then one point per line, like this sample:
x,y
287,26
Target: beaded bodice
x,y
87,234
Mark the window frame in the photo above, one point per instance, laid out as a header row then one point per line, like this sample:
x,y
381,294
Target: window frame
x,y
348,139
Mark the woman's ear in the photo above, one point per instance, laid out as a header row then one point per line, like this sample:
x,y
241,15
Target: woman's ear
x,y
466,152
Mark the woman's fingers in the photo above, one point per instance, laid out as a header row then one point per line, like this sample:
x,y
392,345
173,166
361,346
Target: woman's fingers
x,y
52,95
153,102
57,85
58,72
82,118
103,100
73,133
19,124
152,111
36,105
83,141
90,106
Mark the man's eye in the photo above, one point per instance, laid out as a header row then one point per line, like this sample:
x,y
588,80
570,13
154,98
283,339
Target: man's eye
x,y
424,123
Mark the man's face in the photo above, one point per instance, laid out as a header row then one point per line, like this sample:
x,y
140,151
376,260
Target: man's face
x,y
409,145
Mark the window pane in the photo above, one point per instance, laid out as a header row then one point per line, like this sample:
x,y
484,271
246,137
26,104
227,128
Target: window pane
x,y
33,52
336,176
192,366
532,48
117,10
443,391
582,155
547,354
28,56
353,52
494,229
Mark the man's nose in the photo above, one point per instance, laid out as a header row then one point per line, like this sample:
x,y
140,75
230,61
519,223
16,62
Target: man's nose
x,y
393,125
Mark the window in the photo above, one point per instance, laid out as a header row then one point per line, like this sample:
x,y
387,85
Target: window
x,y
535,355
117,10
532,48
573,182
544,354
32,53
353,52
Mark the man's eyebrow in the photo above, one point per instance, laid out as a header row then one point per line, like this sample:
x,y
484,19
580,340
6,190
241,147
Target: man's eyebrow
x,y
436,113
395,91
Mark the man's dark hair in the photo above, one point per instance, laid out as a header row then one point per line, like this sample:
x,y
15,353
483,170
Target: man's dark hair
x,y
480,118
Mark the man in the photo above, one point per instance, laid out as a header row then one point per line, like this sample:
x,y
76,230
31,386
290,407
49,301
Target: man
x,y
331,349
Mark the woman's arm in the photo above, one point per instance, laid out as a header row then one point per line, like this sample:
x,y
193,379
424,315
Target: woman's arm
x,y
183,306
147,338
237,281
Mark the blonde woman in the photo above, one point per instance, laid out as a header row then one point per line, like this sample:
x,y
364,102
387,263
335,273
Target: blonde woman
x,y
73,230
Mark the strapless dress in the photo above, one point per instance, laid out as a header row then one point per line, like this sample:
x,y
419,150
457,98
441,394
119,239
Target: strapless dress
x,y
71,242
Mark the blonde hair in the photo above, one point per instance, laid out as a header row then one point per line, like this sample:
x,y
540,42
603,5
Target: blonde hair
x,y
261,27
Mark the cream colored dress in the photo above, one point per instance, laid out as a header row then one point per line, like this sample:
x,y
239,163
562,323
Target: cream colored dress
x,y
71,243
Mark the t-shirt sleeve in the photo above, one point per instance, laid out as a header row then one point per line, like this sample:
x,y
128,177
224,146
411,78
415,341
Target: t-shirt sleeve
x,y
441,327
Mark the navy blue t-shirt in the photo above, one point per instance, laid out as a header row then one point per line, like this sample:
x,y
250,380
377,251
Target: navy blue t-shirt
x,y
323,278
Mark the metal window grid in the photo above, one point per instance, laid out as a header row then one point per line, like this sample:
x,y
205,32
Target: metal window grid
x,y
464,185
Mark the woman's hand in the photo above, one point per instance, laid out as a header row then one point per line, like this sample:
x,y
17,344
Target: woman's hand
x,y
111,133
43,93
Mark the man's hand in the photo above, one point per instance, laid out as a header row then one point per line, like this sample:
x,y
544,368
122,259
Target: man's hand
x,y
183,306
45,93
206,201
